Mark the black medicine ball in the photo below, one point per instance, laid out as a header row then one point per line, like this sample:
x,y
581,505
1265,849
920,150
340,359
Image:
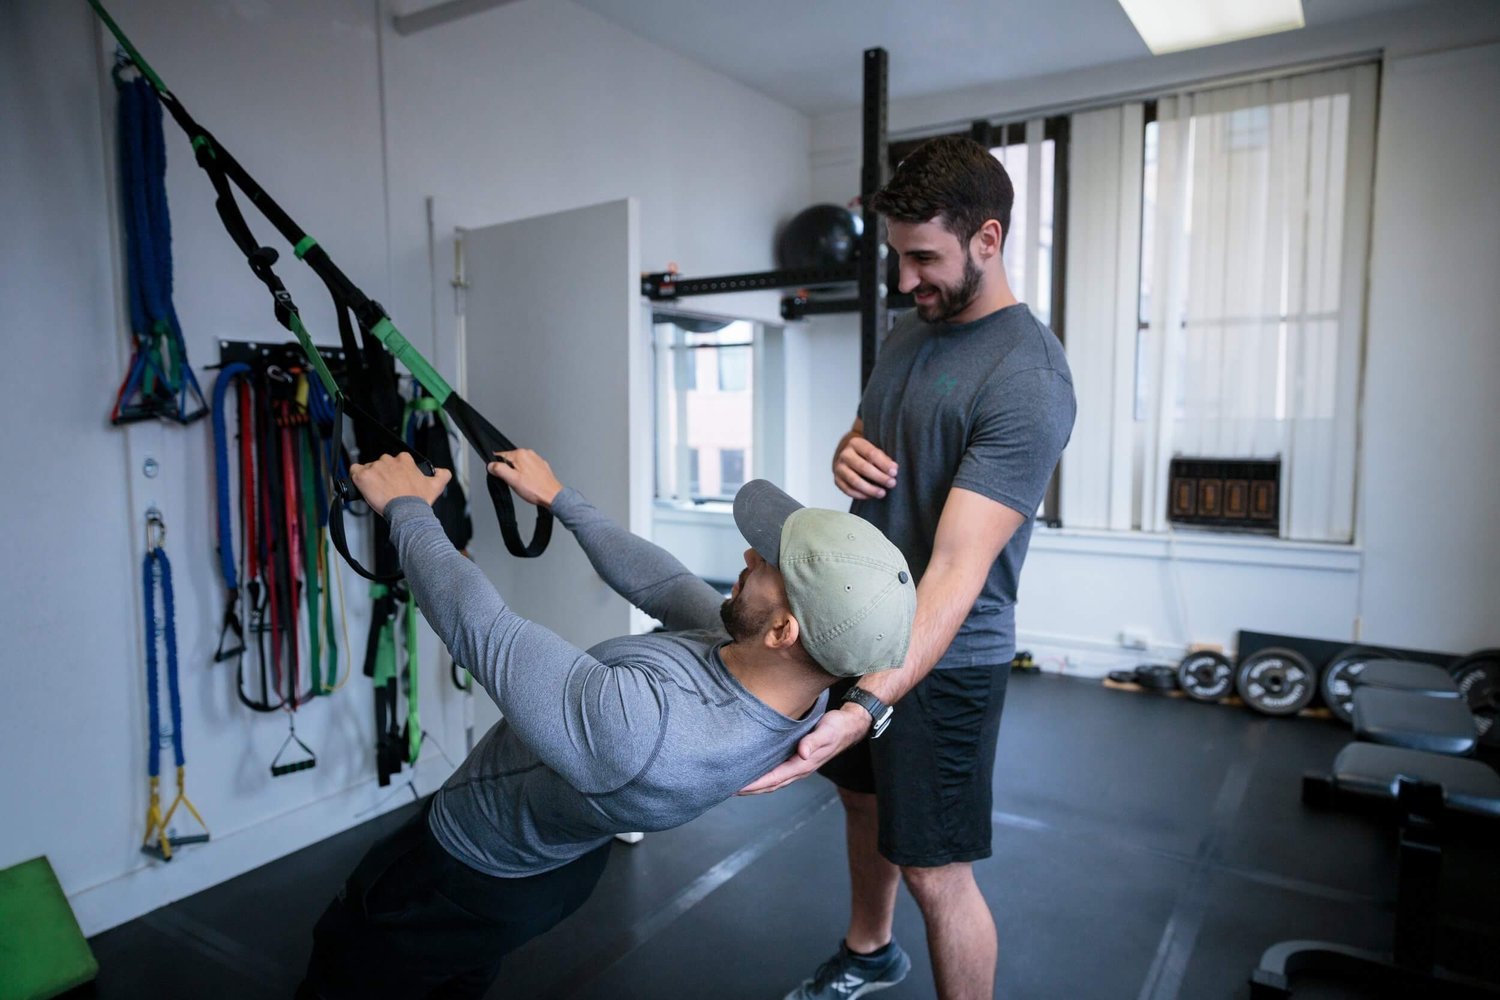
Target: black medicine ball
x,y
820,236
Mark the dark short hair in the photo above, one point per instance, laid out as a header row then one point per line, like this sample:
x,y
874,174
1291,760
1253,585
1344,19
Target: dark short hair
x,y
953,179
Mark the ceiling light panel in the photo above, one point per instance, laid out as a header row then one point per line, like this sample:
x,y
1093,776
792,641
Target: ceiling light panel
x,y
1174,25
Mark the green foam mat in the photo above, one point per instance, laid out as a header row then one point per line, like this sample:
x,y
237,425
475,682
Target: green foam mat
x,y
42,951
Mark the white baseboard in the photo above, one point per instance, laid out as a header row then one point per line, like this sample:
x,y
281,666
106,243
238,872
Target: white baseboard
x,y
1082,656
155,884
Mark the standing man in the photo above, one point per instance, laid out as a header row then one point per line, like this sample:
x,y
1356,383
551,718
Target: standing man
x,y
958,432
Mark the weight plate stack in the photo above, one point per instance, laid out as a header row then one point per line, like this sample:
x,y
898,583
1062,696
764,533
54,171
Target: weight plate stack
x,y
1205,675
1156,677
1478,678
1276,681
1335,685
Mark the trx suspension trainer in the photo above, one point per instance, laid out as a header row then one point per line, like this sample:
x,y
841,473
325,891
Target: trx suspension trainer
x,y
378,335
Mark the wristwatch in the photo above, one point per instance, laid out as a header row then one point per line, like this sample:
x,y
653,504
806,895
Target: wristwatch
x,y
880,712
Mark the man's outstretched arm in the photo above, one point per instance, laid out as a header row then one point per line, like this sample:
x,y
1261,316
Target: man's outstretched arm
x,y
541,682
645,574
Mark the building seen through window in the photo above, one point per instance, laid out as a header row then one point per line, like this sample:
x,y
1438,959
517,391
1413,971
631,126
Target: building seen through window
x,y
705,407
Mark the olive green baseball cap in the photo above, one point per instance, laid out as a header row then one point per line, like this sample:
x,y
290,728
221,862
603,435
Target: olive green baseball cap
x,y
849,588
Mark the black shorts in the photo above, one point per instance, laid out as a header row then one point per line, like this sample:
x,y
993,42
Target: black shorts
x,y
932,770
414,921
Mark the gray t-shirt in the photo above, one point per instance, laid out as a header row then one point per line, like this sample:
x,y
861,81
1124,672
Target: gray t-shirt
x,y
987,406
642,732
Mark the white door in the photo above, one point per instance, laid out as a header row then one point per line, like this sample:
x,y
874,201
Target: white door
x,y
556,360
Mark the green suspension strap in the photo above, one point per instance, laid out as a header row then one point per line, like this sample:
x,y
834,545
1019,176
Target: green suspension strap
x,y
398,612
326,454
326,571
312,560
413,718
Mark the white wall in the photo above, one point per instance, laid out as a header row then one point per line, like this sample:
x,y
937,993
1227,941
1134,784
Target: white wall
x,y
715,166
1423,570
531,107
1431,412
537,107
76,730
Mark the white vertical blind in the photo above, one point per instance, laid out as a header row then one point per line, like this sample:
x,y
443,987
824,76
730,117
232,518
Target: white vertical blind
x,y
1104,245
1029,159
1261,222
1028,245
1035,130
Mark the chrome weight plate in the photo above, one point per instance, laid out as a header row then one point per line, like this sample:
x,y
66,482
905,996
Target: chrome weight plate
x,y
1276,681
1336,685
1478,678
1205,675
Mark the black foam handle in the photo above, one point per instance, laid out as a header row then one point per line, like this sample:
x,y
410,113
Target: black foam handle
x,y
277,770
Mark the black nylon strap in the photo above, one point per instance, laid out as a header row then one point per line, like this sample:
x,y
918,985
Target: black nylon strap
x,y
222,168
344,491
487,440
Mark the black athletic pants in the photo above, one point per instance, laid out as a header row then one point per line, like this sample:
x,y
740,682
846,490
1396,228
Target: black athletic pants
x,y
413,921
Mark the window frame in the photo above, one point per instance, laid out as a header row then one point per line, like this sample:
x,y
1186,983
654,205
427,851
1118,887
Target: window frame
x,y
767,391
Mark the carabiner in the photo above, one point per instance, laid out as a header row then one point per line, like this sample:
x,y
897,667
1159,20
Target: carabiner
x,y
156,529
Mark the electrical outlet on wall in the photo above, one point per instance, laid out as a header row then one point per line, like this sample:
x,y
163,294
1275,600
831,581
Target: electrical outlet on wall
x,y
1135,637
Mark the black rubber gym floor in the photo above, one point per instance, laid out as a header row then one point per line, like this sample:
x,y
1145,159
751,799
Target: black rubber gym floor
x,y
1145,847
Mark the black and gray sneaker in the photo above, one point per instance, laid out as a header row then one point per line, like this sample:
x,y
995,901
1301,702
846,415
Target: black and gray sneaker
x,y
846,975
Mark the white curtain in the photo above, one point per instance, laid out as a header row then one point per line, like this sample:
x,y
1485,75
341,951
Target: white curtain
x,y
1256,279
1104,252
1029,158
1026,155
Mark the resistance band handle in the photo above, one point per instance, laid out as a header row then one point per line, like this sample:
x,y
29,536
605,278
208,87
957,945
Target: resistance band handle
x,y
265,706
231,627
487,440
277,770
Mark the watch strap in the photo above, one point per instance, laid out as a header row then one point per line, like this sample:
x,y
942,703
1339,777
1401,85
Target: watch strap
x,y
880,712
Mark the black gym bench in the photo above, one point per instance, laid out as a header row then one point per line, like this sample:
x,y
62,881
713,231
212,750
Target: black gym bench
x,y
1408,765
1412,705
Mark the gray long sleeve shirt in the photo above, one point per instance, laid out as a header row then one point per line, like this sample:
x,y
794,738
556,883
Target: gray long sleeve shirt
x,y
641,732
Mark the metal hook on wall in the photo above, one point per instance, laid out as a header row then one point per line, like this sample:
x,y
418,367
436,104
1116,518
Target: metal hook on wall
x,y
156,529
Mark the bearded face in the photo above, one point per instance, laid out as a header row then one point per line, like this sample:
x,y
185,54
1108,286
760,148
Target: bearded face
x,y
938,302
742,621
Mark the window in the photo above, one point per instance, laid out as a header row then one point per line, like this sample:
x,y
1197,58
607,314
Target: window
x,y
1216,295
1029,150
734,369
707,392
731,469
1035,156
1030,160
